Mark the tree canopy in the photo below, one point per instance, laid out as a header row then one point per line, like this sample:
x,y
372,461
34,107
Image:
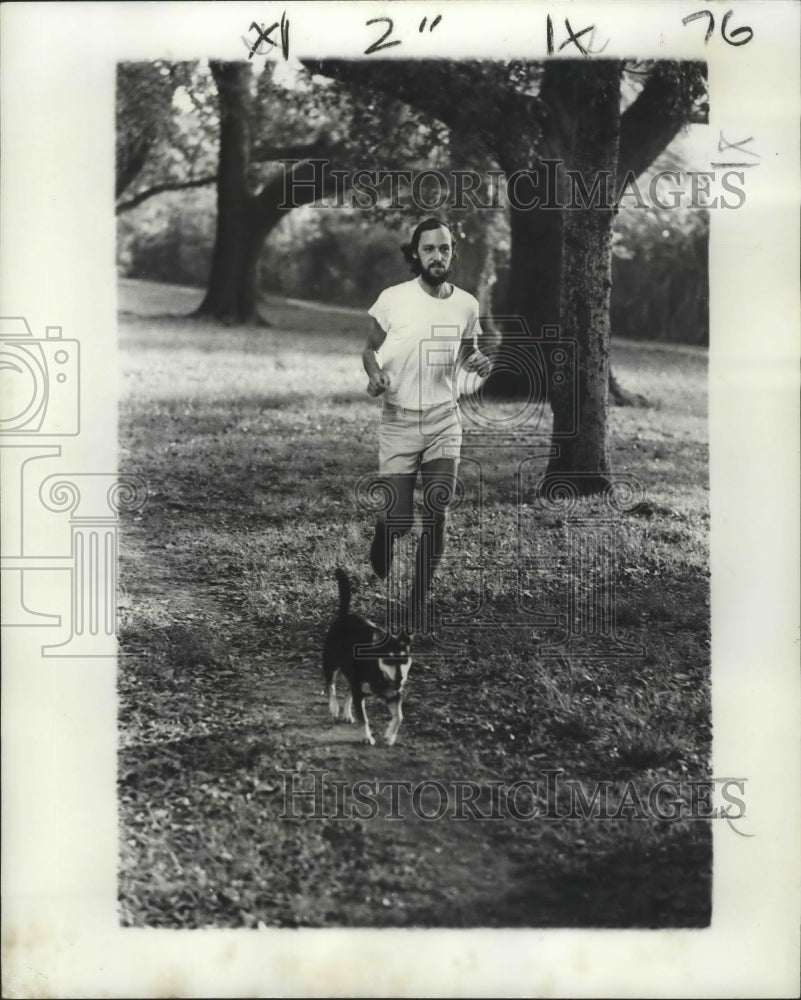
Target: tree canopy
x,y
193,125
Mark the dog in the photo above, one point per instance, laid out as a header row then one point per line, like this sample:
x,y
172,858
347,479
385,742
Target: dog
x,y
371,662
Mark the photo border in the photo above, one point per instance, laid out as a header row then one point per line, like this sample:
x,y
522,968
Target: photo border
x,y
60,933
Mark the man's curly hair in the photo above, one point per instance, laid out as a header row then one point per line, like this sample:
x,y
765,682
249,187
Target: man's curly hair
x,y
409,249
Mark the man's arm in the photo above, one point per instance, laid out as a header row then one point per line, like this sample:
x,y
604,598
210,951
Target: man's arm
x,y
469,354
379,379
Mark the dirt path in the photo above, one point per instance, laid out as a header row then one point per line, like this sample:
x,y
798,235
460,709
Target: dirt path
x,y
405,861
443,862
242,804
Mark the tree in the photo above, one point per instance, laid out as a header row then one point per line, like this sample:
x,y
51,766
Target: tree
x,y
258,129
671,97
245,217
222,124
518,114
183,126
560,270
591,91
144,93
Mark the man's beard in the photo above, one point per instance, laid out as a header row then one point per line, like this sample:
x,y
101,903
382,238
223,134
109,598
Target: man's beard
x,y
435,276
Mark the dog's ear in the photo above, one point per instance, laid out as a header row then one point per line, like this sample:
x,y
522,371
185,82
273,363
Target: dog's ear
x,y
405,637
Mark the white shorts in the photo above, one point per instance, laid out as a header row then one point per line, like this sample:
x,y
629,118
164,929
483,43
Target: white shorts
x,y
408,439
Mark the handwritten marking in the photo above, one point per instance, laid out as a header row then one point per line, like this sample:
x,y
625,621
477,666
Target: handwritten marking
x,y
723,143
728,36
381,44
573,38
737,31
698,14
264,37
434,23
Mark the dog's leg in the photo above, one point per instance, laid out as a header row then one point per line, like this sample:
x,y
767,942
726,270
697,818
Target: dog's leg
x,y
391,732
361,716
368,736
348,709
333,704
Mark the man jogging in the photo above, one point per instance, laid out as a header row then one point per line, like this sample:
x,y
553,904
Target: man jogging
x,y
422,331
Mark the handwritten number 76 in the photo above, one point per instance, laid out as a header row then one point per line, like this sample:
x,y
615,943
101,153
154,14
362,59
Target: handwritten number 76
x,y
728,36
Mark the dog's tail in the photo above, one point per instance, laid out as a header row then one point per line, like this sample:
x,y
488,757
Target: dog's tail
x,y
344,592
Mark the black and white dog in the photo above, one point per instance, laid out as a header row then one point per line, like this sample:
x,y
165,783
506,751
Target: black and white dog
x,y
373,663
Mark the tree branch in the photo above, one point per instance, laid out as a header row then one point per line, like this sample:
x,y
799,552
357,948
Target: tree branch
x,y
126,206
668,101
266,152
265,203
131,158
464,97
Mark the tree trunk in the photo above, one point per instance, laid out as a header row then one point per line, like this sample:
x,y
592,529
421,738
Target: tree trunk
x,y
624,397
233,289
227,297
533,291
535,264
245,219
232,295
592,93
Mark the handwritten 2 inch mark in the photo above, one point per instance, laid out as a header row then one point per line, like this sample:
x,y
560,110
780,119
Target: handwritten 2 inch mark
x,y
433,24
382,43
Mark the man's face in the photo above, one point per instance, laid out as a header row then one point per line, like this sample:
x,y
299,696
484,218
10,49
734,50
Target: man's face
x,y
435,252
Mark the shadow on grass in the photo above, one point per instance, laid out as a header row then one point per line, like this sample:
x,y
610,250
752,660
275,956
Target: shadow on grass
x,y
634,885
201,757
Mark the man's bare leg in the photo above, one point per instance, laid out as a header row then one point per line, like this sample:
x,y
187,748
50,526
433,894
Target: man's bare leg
x,y
395,523
438,482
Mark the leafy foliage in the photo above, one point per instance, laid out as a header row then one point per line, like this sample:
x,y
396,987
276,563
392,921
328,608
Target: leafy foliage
x,y
168,238
660,276
166,126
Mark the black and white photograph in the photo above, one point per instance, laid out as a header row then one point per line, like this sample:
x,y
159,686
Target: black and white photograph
x,y
400,459
550,770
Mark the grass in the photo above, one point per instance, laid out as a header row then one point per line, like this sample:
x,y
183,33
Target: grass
x,y
252,442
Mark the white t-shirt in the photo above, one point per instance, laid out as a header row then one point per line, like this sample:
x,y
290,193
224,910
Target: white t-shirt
x,y
422,342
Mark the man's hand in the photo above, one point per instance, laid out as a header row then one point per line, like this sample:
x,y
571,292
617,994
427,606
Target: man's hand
x,y
379,382
479,363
